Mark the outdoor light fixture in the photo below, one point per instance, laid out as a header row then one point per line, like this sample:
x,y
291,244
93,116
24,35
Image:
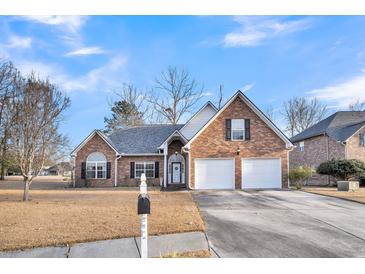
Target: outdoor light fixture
x,y
238,151
176,153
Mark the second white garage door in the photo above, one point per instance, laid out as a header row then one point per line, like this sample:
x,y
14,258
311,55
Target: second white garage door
x,y
214,174
261,173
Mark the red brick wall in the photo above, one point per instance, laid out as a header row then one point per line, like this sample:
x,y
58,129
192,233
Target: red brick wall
x,y
264,142
316,150
123,175
174,146
95,144
354,150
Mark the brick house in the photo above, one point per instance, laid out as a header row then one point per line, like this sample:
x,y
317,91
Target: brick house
x,y
231,148
339,136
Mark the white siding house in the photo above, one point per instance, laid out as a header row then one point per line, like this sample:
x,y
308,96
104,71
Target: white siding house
x,y
198,120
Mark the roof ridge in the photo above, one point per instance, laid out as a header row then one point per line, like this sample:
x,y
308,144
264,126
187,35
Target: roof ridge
x,y
348,125
147,125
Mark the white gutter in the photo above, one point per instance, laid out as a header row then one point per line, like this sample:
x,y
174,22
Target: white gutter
x,y
116,169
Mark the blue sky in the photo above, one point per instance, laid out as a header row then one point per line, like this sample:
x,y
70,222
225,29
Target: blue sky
x,y
272,58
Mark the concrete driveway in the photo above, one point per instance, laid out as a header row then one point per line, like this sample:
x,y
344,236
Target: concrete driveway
x,y
271,223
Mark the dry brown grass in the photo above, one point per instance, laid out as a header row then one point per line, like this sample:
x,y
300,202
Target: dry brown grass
x,y
190,254
358,196
56,217
40,182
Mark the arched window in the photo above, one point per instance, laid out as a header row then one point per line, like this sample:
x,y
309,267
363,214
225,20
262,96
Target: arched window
x,y
96,166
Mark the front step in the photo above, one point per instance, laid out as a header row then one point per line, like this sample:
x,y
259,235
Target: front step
x,y
174,187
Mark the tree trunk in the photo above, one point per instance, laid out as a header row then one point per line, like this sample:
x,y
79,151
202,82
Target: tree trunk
x,y
26,190
2,172
3,155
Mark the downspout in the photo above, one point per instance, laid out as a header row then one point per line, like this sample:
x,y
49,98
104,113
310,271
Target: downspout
x,y
116,169
165,166
328,157
328,148
73,170
344,143
287,163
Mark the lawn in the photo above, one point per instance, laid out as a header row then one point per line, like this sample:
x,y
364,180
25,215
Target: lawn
x,y
67,216
358,196
40,182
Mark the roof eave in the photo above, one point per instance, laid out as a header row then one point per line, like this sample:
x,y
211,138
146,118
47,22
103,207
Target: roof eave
x,y
92,134
170,136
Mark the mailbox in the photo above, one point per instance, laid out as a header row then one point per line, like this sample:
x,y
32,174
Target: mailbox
x,y
144,206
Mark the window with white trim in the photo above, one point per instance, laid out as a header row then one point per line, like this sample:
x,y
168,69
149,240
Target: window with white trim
x,y
96,166
238,129
301,146
148,168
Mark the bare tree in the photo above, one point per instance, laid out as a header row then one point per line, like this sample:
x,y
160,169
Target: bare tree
x,y
220,99
357,105
300,113
129,110
8,76
34,135
175,94
270,113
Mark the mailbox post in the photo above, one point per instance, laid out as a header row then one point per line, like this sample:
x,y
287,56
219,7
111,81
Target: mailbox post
x,y
144,208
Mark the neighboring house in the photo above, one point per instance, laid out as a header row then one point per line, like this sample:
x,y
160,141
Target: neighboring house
x,y
339,136
60,169
231,148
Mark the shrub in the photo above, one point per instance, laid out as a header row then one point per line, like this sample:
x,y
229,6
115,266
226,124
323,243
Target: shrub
x,y
298,175
342,169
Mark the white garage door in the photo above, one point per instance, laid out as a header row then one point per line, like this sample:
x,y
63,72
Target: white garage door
x,y
214,174
261,173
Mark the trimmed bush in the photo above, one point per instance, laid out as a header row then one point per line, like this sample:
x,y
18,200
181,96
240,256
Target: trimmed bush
x,y
342,169
298,175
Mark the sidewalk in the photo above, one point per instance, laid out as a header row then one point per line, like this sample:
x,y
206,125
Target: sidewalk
x,y
119,248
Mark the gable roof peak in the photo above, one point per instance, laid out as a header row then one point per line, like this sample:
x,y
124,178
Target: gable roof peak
x,y
253,107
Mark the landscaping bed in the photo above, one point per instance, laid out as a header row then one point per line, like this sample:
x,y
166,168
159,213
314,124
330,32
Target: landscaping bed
x,y
67,216
358,196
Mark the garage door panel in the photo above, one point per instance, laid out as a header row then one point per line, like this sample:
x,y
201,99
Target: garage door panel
x,y
214,173
261,173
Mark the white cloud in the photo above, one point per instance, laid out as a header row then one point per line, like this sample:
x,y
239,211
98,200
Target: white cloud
x,y
343,93
103,78
86,51
65,22
19,42
254,30
247,87
206,94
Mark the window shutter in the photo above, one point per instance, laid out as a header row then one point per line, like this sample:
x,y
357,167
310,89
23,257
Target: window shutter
x,y
228,129
362,139
108,170
132,170
157,169
247,129
83,170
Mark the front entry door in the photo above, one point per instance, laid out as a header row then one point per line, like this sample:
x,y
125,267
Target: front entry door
x,y
176,173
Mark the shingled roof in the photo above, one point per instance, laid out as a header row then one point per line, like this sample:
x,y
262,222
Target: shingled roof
x,y
141,139
339,126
